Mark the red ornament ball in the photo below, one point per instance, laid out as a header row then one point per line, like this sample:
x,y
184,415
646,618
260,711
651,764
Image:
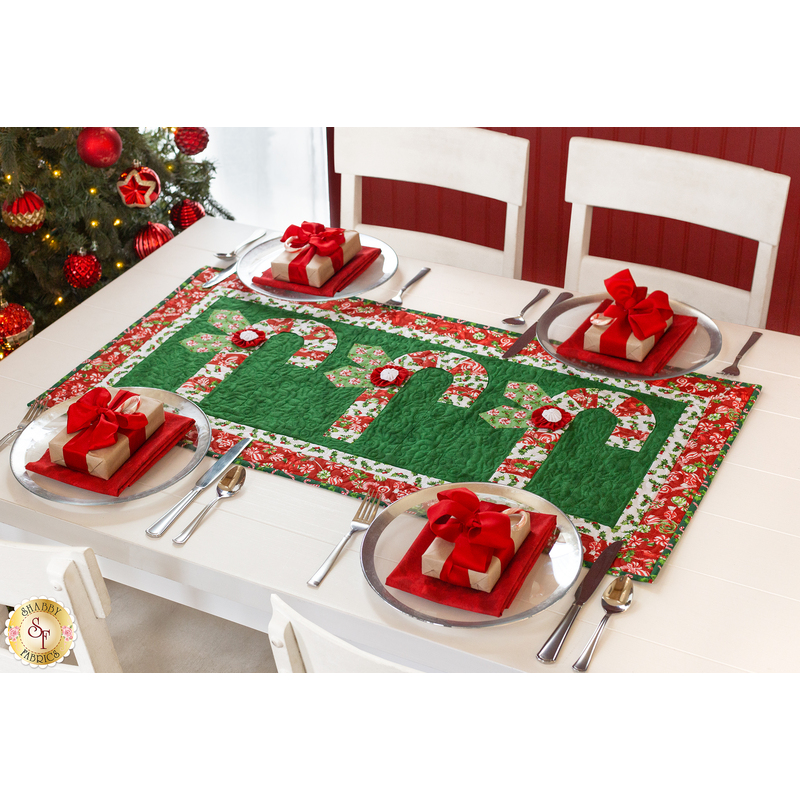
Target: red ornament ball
x,y
16,325
82,270
99,147
5,254
186,213
191,141
149,238
25,214
139,186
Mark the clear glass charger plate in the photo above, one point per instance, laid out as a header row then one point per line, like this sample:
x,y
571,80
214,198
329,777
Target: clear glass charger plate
x,y
398,525
32,443
559,322
255,261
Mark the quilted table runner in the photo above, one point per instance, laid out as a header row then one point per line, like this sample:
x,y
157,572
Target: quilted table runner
x,y
352,395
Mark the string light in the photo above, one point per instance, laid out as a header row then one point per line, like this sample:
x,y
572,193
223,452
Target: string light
x,y
9,178
56,173
117,222
94,223
59,300
119,265
92,190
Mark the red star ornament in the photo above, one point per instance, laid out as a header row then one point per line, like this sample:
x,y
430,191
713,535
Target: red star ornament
x,y
139,187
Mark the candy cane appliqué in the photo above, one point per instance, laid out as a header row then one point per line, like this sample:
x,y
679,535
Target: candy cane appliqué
x,y
546,418
382,378
240,340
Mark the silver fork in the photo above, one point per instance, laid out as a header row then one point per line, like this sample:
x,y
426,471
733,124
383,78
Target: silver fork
x,y
36,408
733,369
367,512
397,300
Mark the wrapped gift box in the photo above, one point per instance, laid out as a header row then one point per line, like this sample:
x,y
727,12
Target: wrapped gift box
x,y
440,550
305,263
616,338
105,461
632,324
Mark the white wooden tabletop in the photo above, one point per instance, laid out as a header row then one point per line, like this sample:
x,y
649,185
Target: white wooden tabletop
x,y
727,599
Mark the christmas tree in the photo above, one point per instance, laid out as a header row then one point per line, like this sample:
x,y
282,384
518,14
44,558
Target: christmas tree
x,y
82,205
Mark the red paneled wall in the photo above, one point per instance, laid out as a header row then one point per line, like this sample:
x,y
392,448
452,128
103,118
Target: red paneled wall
x,y
633,237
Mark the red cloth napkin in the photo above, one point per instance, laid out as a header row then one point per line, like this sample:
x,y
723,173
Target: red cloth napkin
x,y
408,576
174,429
654,361
349,272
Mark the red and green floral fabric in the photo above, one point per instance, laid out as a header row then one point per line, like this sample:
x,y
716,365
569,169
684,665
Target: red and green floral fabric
x,y
352,395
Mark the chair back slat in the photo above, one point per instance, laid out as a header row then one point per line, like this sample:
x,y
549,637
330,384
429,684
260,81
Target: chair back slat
x,y
473,160
718,194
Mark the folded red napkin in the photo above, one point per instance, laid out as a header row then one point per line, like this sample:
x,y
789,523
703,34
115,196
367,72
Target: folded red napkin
x,y
349,272
408,576
174,429
654,361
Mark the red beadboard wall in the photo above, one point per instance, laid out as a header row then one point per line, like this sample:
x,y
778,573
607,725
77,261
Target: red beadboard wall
x,y
631,237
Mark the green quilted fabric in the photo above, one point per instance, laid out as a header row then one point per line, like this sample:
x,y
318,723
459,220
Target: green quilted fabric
x,y
583,475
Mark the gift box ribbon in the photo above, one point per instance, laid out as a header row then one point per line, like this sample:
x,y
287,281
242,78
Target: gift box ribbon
x,y
646,314
308,240
477,535
99,420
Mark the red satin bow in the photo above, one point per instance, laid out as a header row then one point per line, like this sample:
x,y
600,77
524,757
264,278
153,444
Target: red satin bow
x,y
477,535
646,314
311,238
95,414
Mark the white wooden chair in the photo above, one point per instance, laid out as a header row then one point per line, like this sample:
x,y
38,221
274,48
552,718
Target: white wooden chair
x,y
723,195
71,577
154,634
299,645
473,160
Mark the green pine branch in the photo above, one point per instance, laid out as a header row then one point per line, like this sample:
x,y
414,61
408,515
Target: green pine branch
x,y
84,209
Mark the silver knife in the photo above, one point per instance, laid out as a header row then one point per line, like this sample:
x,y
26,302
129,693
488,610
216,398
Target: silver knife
x,y
159,527
530,334
552,646
220,276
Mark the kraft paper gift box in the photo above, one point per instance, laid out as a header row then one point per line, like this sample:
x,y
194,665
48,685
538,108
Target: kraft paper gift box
x,y
631,325
434,558
105,461
616,338
290,264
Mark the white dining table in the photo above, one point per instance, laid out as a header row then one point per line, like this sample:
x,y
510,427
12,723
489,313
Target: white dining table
x,y
727,599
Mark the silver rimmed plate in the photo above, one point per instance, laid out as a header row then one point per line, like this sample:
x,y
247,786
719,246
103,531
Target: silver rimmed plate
x,y
255,261
398,525
559,322
32,443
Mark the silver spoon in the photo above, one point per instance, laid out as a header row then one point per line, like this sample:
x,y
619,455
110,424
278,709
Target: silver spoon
x,y
520,320
228,485
617,598
235,253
